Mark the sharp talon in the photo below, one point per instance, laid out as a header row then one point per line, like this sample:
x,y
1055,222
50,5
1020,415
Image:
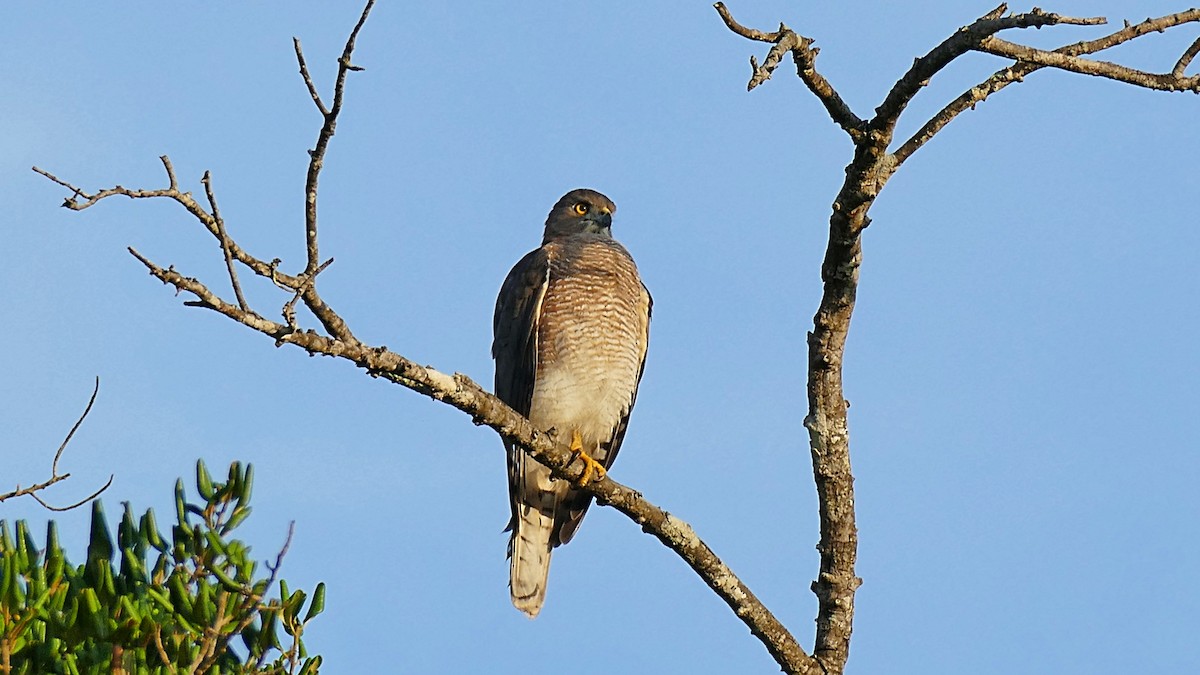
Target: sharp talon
x,y
590,466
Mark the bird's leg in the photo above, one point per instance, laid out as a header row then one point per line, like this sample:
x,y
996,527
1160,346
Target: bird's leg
x,y
590,465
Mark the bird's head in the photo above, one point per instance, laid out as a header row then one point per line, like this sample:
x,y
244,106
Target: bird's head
x,y
579,211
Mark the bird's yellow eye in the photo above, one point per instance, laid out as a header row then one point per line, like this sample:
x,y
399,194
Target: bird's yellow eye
x,y
580,209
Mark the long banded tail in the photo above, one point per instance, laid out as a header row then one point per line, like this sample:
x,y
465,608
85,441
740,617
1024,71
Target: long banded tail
x,y
529,565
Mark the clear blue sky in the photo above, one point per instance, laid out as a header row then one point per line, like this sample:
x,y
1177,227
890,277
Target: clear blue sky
x,y
1022,365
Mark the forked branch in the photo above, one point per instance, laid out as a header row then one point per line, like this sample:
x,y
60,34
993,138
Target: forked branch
x,y
55,476
804,55
866,174
456,390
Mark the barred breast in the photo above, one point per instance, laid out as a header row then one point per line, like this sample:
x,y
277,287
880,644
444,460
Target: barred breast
x,y
591,338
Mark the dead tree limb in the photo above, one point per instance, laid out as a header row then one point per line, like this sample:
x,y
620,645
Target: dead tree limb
x,y
873,164
336,339
55,476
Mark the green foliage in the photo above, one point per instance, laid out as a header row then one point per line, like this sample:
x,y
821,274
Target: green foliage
x,y
161,605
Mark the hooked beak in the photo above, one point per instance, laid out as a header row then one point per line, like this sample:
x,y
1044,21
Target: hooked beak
x,y
599,221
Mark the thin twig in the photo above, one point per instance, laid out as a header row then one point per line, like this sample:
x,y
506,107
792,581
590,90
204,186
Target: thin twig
x,y
287,544
79,503
316,159
19,491
250,600
269,270
289,309
55,476
225,242
274,569
184,199
75,427
74,204
308,81
1131,32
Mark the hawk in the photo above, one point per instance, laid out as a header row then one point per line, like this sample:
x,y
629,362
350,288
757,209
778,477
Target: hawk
x,y
570,332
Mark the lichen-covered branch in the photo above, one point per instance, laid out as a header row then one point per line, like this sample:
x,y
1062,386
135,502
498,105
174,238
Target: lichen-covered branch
x,y
866,174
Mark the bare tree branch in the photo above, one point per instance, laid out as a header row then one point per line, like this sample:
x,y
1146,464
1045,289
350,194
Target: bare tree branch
x,y
308,81
80,200
220,223
967,100
1165,82
866,175
55,476
1017,72
456,390
804,55
962,41
333,323
317,154
289,307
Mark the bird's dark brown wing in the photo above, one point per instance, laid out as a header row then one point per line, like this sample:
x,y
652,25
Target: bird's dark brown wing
x,y
514,346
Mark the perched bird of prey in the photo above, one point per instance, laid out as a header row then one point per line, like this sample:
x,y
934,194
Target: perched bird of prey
x,y
571,327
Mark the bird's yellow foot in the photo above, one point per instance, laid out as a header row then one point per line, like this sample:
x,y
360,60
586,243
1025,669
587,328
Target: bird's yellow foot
x,y
590,466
